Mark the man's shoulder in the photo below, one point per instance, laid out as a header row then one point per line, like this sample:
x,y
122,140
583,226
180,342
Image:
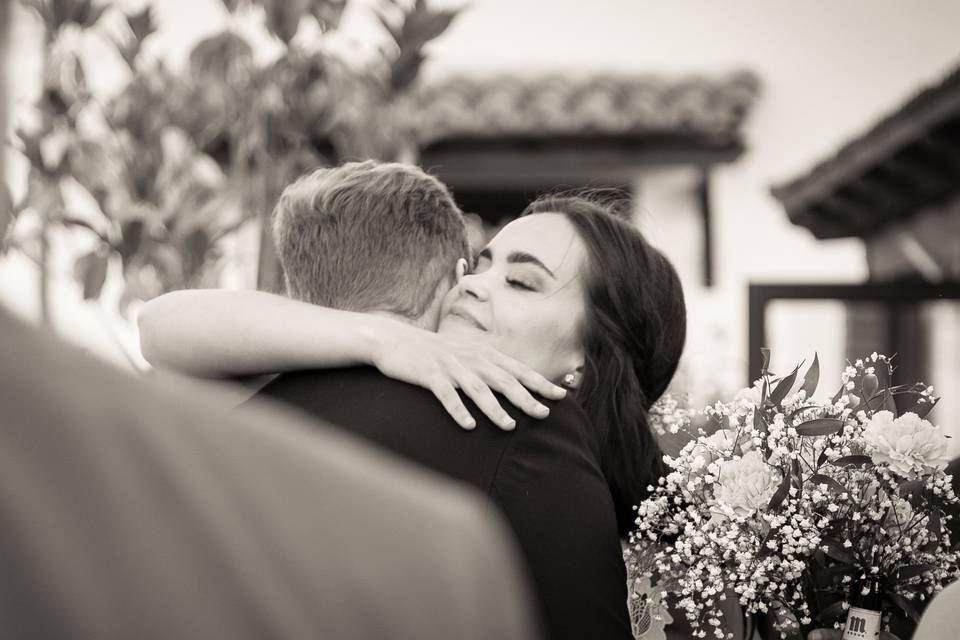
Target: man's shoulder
x,y
350,390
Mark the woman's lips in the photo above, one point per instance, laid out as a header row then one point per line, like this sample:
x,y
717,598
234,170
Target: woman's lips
x,y
466,315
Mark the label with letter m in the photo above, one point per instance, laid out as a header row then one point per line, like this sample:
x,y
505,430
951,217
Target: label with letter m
x,y
862,624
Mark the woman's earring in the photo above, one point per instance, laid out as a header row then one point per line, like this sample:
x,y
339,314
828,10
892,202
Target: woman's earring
x,y
569,379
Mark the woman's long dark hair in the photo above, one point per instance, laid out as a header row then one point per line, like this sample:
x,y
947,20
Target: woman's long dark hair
x,y
633,334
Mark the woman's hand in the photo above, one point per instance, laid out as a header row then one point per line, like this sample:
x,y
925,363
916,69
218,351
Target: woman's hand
x,y
443,365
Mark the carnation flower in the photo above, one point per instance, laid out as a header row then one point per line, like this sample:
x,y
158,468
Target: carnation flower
x,y
746,484
908,444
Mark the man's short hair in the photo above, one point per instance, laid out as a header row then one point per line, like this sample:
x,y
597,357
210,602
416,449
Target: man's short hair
x,y
368,236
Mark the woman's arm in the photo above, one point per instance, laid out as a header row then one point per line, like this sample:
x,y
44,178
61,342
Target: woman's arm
x,y
216,333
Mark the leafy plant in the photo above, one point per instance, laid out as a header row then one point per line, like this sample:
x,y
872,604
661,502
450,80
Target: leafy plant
x,y
178,161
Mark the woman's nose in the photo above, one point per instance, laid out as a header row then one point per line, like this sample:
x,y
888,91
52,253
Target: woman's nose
x,y
473,285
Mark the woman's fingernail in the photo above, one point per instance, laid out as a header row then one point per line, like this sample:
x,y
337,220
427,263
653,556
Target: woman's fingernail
x,y
560,391
508,423
542,411
470,425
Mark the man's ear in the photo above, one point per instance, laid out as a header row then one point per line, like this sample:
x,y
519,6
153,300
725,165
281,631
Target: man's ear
x,y
461,269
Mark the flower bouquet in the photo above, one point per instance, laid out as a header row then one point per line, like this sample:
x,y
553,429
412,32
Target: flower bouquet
x,y
796,506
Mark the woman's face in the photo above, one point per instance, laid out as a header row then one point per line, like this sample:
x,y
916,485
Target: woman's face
x,y
526,295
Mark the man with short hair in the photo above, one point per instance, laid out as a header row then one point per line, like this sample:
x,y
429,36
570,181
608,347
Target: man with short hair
x,y
385,238
370,236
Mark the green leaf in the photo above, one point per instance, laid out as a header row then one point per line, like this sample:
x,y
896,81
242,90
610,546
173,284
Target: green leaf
x,y
761,427
876,402
905,401
820,427
783,387
836,550
923,409
833,485
831,573
909,402
781,493
903,604
935,524
888,402
812,377
821,458
837,395
909,572
91,271
832,612
851,461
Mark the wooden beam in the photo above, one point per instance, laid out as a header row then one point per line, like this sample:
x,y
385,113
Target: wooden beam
x,y
706,214
941,149
928,178
887,196
761,295
538,168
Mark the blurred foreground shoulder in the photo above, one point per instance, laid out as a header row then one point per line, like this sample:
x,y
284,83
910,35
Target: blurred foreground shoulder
x,y
135,510
942,618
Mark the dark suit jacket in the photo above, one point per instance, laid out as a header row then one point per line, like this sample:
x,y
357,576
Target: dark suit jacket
x,y
544,475
138,509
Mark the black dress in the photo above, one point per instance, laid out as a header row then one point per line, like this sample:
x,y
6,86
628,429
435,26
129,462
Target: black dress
x,y
544,475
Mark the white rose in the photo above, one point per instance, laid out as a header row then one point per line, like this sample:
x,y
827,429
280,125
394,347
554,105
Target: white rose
x,y
908,444
746,484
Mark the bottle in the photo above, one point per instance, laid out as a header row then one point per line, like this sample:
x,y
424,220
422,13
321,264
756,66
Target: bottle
x,y
863,617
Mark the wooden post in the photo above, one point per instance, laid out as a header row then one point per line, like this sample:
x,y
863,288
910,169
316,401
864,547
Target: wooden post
x,y
703,196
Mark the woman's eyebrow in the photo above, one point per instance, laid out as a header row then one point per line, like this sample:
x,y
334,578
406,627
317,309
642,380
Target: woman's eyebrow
x,y
518,257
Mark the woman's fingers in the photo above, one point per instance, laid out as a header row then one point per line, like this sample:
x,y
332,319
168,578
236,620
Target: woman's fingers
x,y
478,391
530,379
447,394
518,395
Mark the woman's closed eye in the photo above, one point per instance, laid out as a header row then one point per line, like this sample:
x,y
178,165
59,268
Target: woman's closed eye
x,y
517,283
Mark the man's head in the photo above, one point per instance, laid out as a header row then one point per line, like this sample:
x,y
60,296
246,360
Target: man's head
x,y
370,236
